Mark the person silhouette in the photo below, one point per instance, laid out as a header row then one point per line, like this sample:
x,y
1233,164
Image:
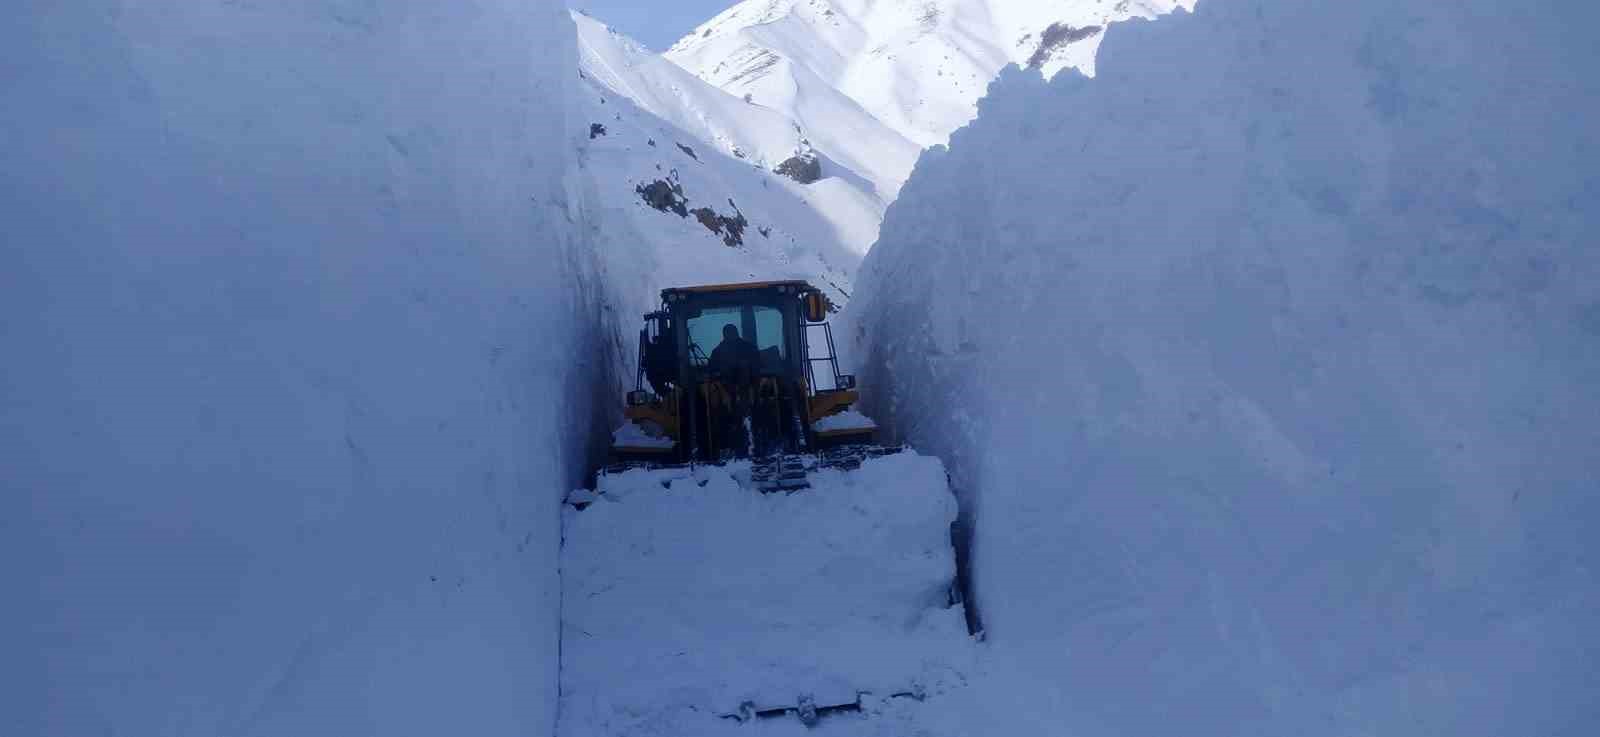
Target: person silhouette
x,y
735,359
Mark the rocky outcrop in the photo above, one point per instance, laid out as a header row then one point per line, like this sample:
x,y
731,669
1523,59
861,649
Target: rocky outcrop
x,y
1057,36
804,168
665,196
731,229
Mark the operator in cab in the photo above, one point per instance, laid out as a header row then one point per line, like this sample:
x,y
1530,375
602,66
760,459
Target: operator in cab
x,y
734,363
735,359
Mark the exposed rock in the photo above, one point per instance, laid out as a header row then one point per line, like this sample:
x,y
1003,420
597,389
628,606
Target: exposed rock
x,y
688,151
730,228
596,130
804,168
709,218
1055,37
664,196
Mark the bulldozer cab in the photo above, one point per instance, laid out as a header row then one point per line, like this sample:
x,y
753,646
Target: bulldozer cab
x,y
757,328
731,373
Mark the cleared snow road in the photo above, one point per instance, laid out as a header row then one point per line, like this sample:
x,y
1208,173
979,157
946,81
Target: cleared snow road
x,y
686,594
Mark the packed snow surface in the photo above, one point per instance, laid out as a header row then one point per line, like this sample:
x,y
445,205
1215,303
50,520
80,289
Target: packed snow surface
x,y
290,302
1267,362
687,594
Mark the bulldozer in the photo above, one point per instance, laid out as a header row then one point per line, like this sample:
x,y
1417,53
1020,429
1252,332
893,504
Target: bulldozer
x,y
702,588
743,371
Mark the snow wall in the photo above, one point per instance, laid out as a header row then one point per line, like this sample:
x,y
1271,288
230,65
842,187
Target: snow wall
x,y
1266,364
290,309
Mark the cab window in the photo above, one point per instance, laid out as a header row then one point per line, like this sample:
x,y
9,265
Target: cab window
x,y
759,324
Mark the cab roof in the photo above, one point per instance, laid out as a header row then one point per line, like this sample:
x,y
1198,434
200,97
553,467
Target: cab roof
x,y
799,284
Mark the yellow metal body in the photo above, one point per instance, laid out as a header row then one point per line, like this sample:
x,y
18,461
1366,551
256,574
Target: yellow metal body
x,y
664,411
831,403
708,288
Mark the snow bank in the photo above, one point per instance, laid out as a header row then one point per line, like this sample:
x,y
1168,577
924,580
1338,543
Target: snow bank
x,y
688,594
1271,359
289,304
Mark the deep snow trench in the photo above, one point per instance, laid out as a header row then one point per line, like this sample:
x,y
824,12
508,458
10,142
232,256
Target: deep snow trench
x,y
1264,365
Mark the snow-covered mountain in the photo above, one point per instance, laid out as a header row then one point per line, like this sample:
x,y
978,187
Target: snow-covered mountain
x,y
661,88
917,67
872,157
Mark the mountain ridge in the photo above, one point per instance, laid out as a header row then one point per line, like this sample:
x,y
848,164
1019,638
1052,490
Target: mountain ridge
x,y
919,68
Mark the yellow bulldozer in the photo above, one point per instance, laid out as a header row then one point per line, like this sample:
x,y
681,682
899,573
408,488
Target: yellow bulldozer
x,y
743,371
738,391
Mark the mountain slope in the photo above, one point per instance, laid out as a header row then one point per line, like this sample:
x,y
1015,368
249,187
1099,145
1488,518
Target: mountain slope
x,y
917,67
671,93
854,144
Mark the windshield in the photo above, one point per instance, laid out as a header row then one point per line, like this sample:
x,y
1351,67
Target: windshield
x,y
762,326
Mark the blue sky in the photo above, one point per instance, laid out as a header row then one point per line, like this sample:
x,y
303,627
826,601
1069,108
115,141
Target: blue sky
x,y
655,23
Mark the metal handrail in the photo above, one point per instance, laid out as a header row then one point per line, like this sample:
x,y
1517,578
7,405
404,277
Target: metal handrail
x,y
832,359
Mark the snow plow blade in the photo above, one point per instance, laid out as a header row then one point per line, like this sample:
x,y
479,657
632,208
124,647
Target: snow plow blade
x,y
700,598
